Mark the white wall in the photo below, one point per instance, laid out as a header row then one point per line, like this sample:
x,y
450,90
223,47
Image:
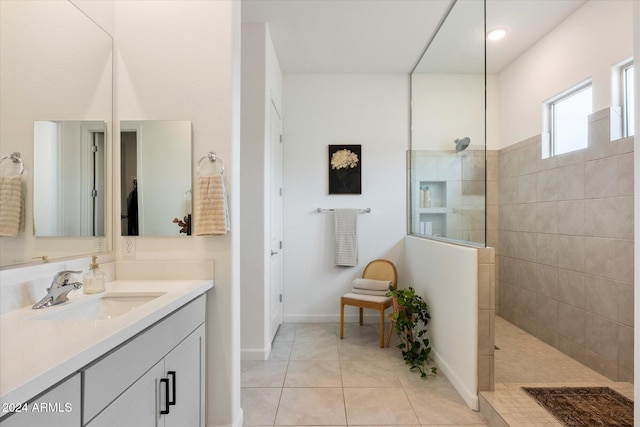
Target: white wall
x,y
446,107
323,109
636,214
435,270
261,83
180,60
586,45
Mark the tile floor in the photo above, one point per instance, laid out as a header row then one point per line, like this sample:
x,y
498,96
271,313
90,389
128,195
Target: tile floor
x,y
523,360
313,378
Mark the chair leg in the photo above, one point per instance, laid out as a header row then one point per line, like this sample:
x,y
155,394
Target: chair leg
x,y
341,320
382,328
361,316
391,323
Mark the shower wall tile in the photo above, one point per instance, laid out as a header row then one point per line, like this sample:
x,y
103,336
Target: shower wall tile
x,y
600,364
571,321
547,312
449,168
508,165
575,214
547,217
493,168
529,158
571,158
571,182
527,246
624,220
625,347
473,168
547,186
571,288
508,190
601,297
625,297
624,261
600,217
601,178
547,249
625,145
527,218
599,144
527,276
571,252
602,337
625,174
547,281
571,217
527,188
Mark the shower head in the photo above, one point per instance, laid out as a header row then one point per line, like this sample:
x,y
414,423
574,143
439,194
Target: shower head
x,y
461,144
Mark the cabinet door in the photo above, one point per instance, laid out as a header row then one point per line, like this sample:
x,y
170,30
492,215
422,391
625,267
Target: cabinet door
x,y
186,361
58,407
139,406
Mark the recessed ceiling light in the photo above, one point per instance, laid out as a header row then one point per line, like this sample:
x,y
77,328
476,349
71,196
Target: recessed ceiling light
x,y
497,34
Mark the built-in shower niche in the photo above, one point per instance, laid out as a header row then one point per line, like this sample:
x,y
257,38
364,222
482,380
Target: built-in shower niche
x,y
432,208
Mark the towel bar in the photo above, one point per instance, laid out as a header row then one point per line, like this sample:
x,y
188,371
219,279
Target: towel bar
x,y
367,210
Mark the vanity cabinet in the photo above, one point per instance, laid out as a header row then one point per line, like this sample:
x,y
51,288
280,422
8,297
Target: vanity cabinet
x,y
155,379
57,407
169,394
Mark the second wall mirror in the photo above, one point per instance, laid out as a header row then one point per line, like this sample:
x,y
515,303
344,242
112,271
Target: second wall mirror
x,y
155,172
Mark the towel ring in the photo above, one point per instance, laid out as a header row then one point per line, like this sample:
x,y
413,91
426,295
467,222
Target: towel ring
x,y
211,156
15,158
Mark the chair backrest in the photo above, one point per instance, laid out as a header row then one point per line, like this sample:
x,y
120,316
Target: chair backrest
x,y
381,269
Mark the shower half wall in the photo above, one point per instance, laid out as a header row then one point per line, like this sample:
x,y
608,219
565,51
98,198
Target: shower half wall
x,y
565,252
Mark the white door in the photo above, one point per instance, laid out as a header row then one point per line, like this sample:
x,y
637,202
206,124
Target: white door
x,y
275,240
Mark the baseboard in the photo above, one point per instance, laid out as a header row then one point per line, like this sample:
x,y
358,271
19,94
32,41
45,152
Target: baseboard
x,y
330,318
236,423
255,353
470,398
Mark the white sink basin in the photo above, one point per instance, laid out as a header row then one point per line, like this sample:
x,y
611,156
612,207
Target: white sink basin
x,y
107,306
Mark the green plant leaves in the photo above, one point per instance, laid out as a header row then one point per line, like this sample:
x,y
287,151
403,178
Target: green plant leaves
x,y
412,317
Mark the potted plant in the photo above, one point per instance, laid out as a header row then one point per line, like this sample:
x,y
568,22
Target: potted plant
x,y
411,318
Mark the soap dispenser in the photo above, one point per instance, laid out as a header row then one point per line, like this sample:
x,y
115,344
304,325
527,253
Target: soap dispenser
x,y
93,278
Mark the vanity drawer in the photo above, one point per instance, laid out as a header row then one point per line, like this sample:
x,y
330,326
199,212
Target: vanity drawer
x,y
108,377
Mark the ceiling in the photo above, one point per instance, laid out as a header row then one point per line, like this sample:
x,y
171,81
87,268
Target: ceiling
x,y
388,36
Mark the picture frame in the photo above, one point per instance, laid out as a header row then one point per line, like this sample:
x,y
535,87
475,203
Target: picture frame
x,y
345,169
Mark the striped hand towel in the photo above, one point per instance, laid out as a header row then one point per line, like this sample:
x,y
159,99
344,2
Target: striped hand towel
x,y
346,238
212,208
11,205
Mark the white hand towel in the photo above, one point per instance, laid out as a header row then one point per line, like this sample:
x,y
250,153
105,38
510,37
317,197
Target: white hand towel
x,y
11,205
371,285
212,209
346,238
369,292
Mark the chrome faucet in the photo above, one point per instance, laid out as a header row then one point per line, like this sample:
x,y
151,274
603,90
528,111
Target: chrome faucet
x,y
59,289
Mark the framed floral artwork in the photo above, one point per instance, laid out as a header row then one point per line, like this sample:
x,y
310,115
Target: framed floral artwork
x,y
345,169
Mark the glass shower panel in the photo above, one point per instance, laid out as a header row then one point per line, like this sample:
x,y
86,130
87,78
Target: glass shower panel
x,y
448,147
448,195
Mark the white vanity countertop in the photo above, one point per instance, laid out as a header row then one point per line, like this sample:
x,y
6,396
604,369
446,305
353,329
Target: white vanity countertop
x,y
35,354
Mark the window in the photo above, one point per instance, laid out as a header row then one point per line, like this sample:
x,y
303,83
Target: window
x,y
628,101
568,114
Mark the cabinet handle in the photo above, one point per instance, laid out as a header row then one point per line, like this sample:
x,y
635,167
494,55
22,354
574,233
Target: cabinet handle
x,y
172,374
166,393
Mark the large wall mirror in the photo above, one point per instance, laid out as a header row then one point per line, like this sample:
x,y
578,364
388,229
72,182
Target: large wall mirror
x,y
69,178
155,172
448,130
55,106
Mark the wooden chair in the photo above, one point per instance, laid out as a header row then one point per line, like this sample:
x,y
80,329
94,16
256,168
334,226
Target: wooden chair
x,y
379,269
